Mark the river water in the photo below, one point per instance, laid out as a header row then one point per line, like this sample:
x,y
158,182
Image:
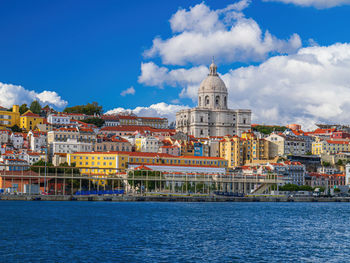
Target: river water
x,y
174,232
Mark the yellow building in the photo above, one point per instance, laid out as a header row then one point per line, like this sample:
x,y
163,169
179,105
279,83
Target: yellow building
x,y
9,118
231,149
329,147
29,120
109,162
253,148
240,151
138,142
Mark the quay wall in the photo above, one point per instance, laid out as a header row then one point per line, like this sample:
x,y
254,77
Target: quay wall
x,y
160,198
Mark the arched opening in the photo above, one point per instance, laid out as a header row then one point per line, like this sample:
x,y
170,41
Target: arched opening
x,y
206,100
225,101
217,101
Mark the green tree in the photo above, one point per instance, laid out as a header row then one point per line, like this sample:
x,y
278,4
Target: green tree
x,y
35,107
23,108
340,162
96,121
305,188
326,164
268,129
289,187
88,109
15,128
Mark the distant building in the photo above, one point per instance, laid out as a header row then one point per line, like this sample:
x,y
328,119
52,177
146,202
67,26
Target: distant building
x,y
281,144
212,117
114,143
59,119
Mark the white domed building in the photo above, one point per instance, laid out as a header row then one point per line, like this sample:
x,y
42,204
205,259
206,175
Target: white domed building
x,y
212,117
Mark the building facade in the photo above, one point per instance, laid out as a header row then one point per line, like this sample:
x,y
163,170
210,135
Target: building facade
x,y
212,117
9,118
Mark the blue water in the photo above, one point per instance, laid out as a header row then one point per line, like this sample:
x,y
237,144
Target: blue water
x,y
174,232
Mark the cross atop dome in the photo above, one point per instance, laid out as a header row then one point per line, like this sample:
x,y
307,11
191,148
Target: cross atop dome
x,y
213,68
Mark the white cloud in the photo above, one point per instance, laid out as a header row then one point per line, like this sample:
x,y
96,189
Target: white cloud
x,y
155,110
153,75
129,91
14,94
200,33
320,4
308,87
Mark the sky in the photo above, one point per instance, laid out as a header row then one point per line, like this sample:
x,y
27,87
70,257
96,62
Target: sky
x,y
287,60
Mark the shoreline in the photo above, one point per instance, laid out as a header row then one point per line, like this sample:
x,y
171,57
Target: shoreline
x,y
160,198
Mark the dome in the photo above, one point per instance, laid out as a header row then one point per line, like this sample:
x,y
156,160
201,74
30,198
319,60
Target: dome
x,y
212,83
212,92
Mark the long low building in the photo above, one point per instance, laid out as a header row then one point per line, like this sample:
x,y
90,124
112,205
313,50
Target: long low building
x,y
110,162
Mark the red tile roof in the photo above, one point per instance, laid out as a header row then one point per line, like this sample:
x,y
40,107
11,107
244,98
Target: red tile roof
x,y
31,114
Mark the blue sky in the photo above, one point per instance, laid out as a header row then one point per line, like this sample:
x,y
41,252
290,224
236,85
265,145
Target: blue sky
x,y
92,50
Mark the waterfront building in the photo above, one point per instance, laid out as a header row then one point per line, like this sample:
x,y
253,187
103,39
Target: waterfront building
x,y
110,161
325,180
9,118
29,120
292,172
347,174
212,117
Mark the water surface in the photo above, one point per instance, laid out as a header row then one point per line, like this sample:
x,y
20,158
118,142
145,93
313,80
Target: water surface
x,y
174,232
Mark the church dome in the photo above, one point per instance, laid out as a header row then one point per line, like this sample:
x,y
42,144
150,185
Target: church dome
x,y
212,83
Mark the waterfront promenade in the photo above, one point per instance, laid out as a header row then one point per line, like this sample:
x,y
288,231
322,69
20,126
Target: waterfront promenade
x,y
173,198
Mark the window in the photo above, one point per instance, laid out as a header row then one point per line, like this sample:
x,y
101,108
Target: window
x,y
206,100
217,101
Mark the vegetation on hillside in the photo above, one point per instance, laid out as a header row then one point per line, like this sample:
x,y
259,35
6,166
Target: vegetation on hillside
x,y
96,121
268,129
88,109
35,107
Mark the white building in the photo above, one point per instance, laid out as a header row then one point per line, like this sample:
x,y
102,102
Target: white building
x,y
281,144
292,172
212,117
58,119
17,140
37,140
347,174
4,136
149,144
32,157
70,146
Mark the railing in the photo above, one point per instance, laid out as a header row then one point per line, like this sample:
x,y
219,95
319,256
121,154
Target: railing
x,y
68,180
